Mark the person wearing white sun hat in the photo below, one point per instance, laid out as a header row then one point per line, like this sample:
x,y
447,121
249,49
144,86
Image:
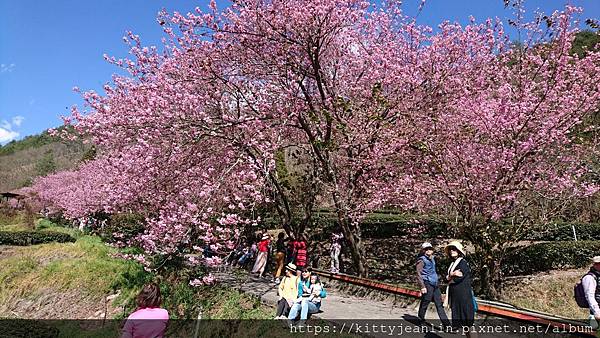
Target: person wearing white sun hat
x,y
287,292
460,296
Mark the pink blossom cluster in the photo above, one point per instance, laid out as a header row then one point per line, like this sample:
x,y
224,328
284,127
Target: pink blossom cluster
x,y
206,280
390,113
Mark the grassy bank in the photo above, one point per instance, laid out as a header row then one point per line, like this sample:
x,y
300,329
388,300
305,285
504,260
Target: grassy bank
x,y
550,292
72,280
81,270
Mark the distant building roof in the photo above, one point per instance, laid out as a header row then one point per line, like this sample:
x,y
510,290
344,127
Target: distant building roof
x,y
9,194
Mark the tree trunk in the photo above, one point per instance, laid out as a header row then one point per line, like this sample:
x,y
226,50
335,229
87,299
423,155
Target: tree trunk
x,y
352,234
491,274
357,253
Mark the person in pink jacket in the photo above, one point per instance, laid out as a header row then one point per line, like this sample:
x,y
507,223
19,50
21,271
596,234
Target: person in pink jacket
x,y
149,320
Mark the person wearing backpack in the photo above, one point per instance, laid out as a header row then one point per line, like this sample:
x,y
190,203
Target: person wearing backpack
x,y
429,281
591,289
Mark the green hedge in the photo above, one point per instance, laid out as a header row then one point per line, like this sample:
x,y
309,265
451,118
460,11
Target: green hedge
x,y
550,256
33,237
564,232
126,224
379,225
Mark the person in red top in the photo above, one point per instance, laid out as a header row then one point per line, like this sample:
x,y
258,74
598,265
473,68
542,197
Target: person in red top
x,y
261,259
301,254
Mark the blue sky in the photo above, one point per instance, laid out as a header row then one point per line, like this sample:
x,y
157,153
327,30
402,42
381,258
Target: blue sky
x,y
49,47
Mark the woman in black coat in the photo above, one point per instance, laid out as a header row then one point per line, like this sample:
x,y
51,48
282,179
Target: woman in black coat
x,y
460,292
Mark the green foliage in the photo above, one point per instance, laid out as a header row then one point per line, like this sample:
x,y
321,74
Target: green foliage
x,y
26,182
386,225
564,232
33,141
25,238
585,41
46,165
89,154
550,256
43,223
281,169
123,227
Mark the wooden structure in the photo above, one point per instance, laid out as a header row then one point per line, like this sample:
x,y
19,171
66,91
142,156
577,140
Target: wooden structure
x,y
7,196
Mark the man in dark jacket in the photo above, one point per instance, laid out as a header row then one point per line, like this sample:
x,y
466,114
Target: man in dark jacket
x,y
592,291
429,281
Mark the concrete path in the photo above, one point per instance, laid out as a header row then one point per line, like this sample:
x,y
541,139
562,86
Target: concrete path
x,y
371,317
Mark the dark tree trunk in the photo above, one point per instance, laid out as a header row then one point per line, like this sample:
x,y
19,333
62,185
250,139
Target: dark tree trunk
x,y
491,272
352,234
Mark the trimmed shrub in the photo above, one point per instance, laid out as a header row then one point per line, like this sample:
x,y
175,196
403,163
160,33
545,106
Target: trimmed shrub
x,y
24,238
564,232
550,256
379,225
123,227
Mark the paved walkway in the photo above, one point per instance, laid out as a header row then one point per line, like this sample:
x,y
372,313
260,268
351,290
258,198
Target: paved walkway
x,y
343,310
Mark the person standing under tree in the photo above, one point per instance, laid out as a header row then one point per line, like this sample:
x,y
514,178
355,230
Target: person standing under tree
x,y
460,292
279,256
429,281
334,251
591,288
290,253
261,260
301,252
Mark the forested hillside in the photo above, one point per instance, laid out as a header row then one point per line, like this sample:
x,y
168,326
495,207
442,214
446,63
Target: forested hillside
x,y
36,155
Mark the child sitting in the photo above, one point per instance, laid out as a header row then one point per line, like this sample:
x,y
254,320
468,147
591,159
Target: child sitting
x,y
315,289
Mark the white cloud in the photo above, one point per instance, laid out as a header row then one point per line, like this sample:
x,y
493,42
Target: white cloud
x,y
6,68
5,125
7,135
17,120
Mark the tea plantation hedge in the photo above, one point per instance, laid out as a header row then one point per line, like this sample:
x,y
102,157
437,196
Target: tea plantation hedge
x,y
550,256
24,238
564,232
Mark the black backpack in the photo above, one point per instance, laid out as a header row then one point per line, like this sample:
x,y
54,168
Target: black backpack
x,y
579,293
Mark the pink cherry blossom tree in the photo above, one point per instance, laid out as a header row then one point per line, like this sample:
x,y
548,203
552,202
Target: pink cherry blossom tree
x,y
260,77
385,111
498,145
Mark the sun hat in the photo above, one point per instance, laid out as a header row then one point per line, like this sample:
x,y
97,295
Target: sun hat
x,y
457,245
426,246
596,259
291,267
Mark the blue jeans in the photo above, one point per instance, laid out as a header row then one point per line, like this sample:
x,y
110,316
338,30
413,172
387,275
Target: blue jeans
x,y
305,308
